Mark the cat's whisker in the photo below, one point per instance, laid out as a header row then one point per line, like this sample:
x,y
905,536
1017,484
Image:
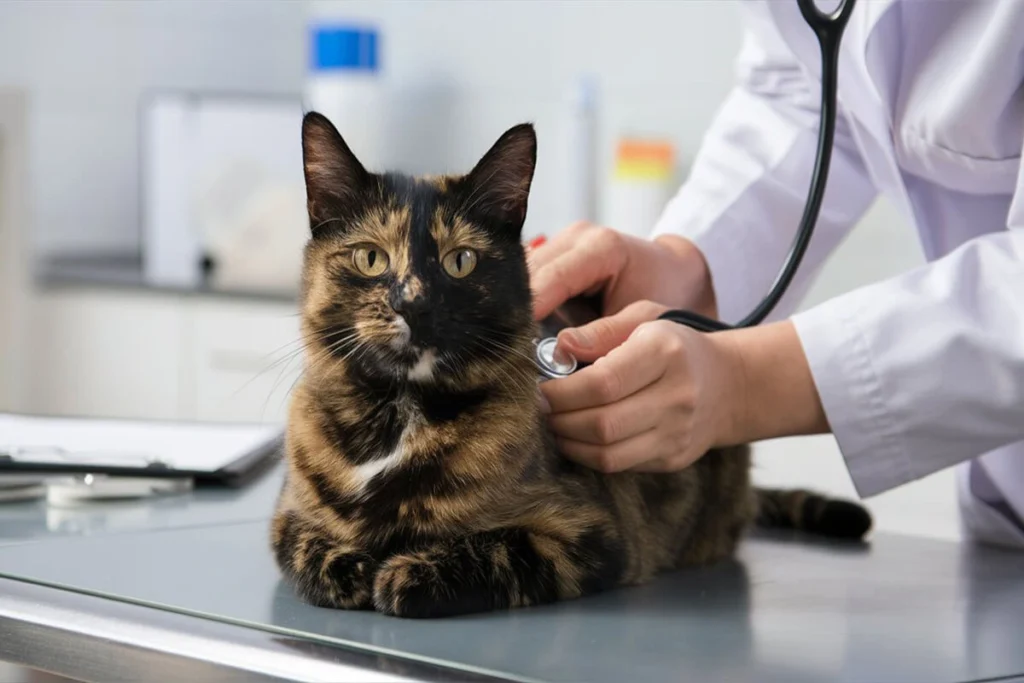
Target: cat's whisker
x,y
339,361
504,347
281,375
338,346
515,352
325,353
500,371
288,393
358,348
332,348
304,344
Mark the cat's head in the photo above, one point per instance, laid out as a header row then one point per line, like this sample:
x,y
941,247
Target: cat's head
x,y
416,277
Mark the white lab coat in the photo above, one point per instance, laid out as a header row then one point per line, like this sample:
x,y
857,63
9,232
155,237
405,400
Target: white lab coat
x,y
924,371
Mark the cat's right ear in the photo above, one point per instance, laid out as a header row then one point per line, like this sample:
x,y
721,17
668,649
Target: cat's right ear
x,y
336,183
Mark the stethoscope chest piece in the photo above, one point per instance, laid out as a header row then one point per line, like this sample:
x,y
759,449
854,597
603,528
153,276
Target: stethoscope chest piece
x,y
551,365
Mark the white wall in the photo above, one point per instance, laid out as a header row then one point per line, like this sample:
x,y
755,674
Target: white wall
x,y
470,70
14,303
85,65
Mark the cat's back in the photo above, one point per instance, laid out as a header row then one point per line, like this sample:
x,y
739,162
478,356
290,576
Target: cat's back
x,y
690,516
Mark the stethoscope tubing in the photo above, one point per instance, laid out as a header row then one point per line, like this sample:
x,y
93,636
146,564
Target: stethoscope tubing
x,y
828,28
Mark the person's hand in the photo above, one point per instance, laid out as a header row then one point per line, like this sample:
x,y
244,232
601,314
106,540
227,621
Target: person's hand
x,y
587,259
657,396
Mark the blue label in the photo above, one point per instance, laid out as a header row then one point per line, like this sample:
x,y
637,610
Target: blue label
x,y
348,48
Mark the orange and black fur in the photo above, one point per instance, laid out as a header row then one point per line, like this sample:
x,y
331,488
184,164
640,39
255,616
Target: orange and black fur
x,y
422,480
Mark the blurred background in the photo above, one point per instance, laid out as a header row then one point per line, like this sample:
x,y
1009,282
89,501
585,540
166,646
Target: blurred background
x,y
151,200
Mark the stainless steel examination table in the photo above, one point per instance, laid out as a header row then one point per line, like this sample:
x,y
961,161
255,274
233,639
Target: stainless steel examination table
x,y
185,589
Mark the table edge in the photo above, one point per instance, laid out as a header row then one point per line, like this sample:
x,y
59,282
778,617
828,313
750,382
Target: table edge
x,y
91,638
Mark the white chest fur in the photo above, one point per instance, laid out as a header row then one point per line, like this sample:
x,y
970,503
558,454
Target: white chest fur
x,y
367,471
423,370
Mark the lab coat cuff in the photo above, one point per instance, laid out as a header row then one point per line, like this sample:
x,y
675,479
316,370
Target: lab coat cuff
x,y
851,391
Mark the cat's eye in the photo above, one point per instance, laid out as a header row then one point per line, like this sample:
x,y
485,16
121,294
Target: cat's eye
x,y
371,261
459,263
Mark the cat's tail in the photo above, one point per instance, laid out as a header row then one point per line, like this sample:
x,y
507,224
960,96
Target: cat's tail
x,y
812,513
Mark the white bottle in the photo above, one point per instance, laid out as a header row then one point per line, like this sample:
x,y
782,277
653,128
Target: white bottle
x,y
344,84
580,148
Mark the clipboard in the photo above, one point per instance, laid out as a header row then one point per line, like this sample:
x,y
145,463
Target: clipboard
x,y
228,455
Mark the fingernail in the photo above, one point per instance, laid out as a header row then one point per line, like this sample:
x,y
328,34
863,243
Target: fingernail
x,y
537,241
561,356
579,338
545,407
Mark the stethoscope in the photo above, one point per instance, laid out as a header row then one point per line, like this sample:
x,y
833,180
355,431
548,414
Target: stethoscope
x,y
828,27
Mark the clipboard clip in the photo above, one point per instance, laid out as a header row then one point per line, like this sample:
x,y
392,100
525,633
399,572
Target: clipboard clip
x,y
84,457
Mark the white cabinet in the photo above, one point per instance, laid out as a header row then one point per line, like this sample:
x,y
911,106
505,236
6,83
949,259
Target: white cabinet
x,y
106,353
245,358
145,354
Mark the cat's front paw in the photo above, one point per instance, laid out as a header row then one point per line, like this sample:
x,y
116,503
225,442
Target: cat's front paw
x,y
408,586
345,582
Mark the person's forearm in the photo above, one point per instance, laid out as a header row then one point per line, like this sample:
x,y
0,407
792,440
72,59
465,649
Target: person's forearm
x,y
700,288
772,392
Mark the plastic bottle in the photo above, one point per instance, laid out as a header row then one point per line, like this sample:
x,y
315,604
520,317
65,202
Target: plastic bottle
x,y
641,185
344,84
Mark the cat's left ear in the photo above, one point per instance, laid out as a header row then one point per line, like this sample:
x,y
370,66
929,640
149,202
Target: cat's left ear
x,y
499,185
336,183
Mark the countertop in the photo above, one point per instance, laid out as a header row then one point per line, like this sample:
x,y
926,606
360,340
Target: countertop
x,y
124,272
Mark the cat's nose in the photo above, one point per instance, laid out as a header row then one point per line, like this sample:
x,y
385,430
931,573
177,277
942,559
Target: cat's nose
x,y
409,307
408,302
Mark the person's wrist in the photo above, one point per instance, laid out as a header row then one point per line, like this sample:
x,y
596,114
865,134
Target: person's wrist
x,y
768,388
694,268
731,389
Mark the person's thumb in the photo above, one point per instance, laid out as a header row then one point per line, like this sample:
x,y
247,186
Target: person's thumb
x,y
596,339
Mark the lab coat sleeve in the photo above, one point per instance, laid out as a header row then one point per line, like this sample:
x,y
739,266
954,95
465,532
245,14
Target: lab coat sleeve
x,y
925,370
742,202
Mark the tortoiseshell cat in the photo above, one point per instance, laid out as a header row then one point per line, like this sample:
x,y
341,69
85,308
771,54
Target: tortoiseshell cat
x,y
422,481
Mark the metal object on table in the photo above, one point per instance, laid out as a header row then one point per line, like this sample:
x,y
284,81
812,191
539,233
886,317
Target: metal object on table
x,y
16,488
75,490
